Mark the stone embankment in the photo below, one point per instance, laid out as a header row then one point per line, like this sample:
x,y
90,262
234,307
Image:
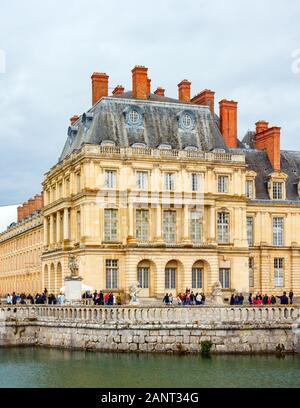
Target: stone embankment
x,y
153,329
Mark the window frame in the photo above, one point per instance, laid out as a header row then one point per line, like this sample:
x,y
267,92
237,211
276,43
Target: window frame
x,y
224,279
113,236
223,227
112,274
279,272
223,184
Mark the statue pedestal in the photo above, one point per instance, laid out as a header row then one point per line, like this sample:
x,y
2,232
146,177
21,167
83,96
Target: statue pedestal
x,y
73,289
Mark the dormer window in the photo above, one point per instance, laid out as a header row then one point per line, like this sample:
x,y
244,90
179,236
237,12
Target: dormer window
x,y
276,186
187,121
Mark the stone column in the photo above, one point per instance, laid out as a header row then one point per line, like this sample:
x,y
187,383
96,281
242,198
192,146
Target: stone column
x,y
212,224
46,243
51,229
66,224
186,224
58,227
131,235
159,237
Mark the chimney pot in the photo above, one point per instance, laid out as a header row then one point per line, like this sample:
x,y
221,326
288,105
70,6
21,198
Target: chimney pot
x,y
261,126
25,210
99,86
74,119
184,91
160,91
119,89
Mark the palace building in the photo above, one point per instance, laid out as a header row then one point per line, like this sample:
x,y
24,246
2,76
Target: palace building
x,y
161,191
21,247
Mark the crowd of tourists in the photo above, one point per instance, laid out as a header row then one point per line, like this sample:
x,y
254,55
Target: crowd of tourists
x,y
185,298
44,298
265,299
101,298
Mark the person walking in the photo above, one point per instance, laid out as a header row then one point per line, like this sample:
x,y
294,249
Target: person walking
x,y
250,299
291,296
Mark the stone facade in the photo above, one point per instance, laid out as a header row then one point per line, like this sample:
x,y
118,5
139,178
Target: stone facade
x,y
21,247
161,191
238,330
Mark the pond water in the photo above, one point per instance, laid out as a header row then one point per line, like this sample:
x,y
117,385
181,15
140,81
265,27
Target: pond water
x,y
50,368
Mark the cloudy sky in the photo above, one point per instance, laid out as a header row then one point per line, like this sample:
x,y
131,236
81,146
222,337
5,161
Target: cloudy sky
x,y
244,50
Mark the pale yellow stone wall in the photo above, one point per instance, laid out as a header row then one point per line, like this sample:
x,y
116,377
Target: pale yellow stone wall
x,y
76,197
20,257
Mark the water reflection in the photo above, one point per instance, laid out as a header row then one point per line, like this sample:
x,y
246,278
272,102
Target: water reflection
x,y
34,367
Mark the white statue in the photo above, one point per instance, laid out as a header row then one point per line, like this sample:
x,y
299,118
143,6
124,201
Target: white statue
x,y
134,289
217,298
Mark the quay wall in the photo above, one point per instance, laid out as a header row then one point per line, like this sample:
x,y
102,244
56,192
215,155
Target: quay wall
x,y
153,329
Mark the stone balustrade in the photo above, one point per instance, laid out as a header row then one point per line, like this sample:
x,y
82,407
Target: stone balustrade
x,y
171,316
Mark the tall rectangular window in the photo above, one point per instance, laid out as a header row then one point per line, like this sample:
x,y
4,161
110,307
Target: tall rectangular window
x,y
251,272
277,190
223,184
112,271
67,184
223,228
143,277
196,226
169,226
278,231
197,276
142,225
110,225
142,180
224,277
169,181
170,278
278,273
110,179
250,189
195,181
250,231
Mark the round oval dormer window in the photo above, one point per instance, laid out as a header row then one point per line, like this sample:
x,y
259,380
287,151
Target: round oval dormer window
x,y
134,117
187,120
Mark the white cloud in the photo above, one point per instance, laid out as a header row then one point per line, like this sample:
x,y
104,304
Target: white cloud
x,y
242,50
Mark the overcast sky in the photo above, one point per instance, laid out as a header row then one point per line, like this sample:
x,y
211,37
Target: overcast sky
x,y
240,49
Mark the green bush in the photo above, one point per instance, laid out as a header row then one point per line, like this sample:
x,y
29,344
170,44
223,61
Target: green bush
x,y
206,347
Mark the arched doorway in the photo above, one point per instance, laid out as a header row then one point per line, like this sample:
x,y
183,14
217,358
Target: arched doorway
x,y
173,277
199,276
146,275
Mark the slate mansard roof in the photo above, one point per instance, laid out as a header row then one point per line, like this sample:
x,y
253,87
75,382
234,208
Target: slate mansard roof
x,y
107,121
160,125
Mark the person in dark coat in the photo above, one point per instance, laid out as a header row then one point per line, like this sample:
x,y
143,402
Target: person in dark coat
x,y
232,300
166,299
273,300
265,299
14,298
250,299
291,296
284,300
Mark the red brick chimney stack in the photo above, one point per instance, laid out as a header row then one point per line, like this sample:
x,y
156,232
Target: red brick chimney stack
x,y
160,91
140,83
207,98
228,122
269,140
184,91
149,86
99,86
20,213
